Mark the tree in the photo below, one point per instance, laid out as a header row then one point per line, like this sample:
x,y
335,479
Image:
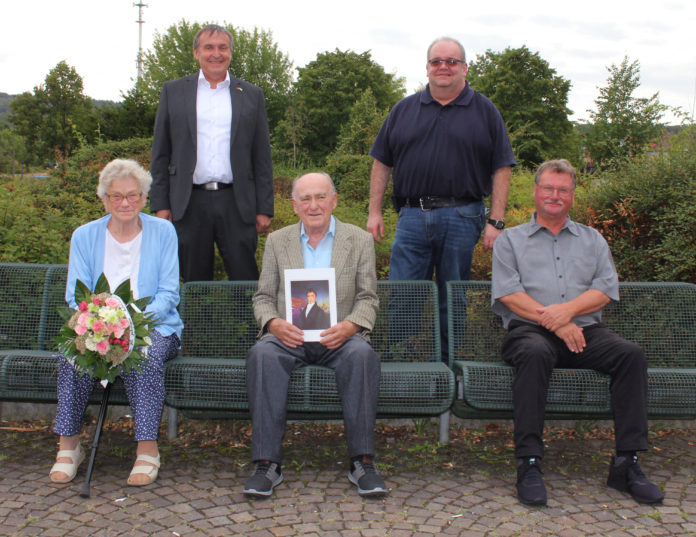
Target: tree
x,y
256,59
331,84
530,96
359,132
12,151
133,117
623,124
289,134
58,117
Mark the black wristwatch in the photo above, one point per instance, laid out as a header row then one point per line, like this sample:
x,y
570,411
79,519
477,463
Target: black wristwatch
x,y
497,224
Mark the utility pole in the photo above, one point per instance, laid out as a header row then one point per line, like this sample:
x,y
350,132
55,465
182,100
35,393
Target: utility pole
x,y
140,21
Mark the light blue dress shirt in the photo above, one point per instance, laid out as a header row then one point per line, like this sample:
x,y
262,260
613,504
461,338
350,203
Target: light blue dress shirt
x,y
319,257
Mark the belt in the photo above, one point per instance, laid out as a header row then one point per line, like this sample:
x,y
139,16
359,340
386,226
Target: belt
x,y
212,185
435,202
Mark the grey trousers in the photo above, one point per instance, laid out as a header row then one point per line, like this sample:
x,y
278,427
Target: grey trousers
x,y
269,365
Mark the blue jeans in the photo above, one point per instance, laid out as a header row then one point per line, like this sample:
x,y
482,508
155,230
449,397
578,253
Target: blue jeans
x,y
440,240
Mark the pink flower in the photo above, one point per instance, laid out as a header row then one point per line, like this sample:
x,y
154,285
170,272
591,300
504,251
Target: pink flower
x,y
80,329
83,318
116,329
96,301
112,302
98,326
102,347
125,323
83,306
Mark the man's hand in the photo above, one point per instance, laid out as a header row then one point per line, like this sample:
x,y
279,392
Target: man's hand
x,y
573,337
490,233
375,225
164,213
337,335
286,332
263,221
554,316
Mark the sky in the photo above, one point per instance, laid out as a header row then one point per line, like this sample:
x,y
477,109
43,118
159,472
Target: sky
x,y
578,39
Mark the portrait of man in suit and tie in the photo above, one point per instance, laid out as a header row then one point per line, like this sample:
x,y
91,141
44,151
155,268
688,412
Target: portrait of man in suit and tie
x,y
312,316
211,163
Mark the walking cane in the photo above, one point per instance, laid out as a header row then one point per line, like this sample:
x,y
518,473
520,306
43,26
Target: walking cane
x,y
95,443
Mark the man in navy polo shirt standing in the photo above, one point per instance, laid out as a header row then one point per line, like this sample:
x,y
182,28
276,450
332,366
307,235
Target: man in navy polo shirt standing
x,y
446,148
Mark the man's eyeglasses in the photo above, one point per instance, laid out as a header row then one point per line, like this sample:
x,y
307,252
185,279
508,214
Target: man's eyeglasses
x,y
548,190
132,197
451,62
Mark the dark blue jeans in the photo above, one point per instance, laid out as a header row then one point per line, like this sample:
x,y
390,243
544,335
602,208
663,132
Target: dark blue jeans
x,y
440,240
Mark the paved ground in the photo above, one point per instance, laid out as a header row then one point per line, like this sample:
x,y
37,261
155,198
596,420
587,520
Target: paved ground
x,y
464,488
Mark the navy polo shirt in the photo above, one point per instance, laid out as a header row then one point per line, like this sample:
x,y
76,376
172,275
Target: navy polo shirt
x,y
449,150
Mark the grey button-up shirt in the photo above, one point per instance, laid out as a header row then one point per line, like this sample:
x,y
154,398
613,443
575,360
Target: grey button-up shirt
x,y
552,269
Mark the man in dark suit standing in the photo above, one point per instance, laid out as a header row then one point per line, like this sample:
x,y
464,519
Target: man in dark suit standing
x,y
312,317
211,163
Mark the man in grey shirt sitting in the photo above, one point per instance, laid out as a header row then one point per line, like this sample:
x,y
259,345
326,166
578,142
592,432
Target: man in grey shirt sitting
x,y
551,279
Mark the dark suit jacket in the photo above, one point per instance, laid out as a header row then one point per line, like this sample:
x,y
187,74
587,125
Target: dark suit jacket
x,y
174,149
317,319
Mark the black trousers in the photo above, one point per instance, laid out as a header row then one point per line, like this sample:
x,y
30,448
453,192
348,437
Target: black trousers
x,y
212,218
534,352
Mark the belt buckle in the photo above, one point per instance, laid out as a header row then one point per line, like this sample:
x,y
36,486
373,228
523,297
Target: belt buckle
x,y
422,206
211,185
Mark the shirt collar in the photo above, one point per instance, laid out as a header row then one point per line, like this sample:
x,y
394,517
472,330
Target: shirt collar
x,y
463,99
571,226
331,231
204,81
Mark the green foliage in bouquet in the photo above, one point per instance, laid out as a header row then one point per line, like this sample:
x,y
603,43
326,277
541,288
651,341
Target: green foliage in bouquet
x,y
108,332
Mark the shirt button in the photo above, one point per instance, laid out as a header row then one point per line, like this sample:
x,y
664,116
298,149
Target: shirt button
x,y
560,276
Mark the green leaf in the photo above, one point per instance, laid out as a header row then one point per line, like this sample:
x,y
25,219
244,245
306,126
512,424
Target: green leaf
x,y
102,285
123,291
82,292
64,312
142,302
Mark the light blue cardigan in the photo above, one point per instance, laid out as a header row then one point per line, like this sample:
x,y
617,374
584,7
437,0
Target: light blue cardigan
x,y
158,274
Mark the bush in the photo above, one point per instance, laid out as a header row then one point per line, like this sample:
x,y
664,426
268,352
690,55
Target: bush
x,y
647,213
38,216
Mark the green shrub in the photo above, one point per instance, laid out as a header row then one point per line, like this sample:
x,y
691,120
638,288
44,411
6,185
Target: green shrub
x,y
647,213
38,216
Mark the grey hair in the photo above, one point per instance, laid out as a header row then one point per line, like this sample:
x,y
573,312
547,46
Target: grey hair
x,y
324,175
560,165
212,29
120,168
445,38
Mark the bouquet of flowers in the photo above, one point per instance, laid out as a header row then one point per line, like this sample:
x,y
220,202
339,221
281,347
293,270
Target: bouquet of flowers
x,y
108,332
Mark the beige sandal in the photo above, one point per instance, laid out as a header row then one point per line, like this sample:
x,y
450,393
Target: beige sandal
x,y
76,455
145,469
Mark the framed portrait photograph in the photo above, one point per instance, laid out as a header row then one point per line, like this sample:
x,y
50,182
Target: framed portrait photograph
x,y
310,302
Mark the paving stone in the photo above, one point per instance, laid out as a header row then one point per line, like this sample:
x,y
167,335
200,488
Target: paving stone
x,y
205,500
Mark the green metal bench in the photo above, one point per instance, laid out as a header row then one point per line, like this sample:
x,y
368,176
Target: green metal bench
x,y
208,378
660,317
29,324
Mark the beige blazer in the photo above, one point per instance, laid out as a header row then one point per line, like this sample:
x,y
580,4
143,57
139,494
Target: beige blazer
x,y
353,258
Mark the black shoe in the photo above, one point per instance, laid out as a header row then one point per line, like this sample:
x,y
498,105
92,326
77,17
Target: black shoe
x,y
626,476
364,475
266,476
530,487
